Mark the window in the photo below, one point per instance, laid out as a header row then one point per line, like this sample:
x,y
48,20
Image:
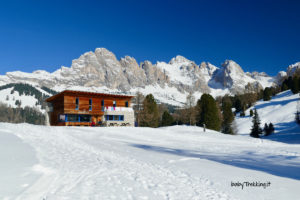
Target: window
x,y
90,104
76,118
114,117
102,105
114,103
126,104
73,118
76,104
85,118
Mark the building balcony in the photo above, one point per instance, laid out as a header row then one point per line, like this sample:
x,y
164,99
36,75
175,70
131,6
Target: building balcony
x,y
117,109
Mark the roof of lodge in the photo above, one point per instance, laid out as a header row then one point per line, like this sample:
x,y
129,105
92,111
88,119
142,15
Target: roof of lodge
x,y
94,94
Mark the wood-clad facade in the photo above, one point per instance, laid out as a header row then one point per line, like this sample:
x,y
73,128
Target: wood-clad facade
x,y
77,108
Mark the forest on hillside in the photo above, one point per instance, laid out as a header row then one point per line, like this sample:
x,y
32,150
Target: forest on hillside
x,y
213,113
27,114
21,115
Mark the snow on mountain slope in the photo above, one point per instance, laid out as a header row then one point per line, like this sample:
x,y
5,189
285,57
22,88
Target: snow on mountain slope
x,y
10,99
280,111
232,77
176,72
24,94
263,79
294,68
144,163
102,71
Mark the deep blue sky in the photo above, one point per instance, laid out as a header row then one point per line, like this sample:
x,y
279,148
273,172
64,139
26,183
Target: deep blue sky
x,y
259,35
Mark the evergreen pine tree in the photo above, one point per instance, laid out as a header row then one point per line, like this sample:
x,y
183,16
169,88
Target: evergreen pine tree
x,y
299,83
295,85
149,115
228,117
242,114
251,113
238,105
267,94
289,82
297,114
209,114
167,119
284,85
271,128
255,130
297,117
266,130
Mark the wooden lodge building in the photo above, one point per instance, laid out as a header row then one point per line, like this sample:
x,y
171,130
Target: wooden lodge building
x,y
77,108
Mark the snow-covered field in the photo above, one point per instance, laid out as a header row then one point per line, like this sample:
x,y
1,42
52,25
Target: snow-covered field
x,y
180,162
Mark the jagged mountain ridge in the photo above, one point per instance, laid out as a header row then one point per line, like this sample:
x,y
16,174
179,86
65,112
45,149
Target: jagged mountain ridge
x,y
169,82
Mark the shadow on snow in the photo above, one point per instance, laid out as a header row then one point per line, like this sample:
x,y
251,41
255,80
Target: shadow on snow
x,y
274,103
279,165
288,132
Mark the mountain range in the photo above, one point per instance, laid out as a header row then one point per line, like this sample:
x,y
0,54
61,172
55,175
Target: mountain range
x,y
171,82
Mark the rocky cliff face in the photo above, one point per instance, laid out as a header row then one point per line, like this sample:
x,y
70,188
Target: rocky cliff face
x,y
102,71
293,69
232,76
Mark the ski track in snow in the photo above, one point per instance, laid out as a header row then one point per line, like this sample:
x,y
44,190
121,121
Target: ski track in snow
x,y
87,172
143,163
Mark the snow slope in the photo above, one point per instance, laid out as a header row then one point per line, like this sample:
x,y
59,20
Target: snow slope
x,y
10,99
143,163
28,96
17,159
280,111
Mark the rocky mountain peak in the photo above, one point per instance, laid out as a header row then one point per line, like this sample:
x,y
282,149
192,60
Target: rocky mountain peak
x,y
280,77
231,67
257,74
128,61
102,52
101,71
232,76
179,60
294,68
207,68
